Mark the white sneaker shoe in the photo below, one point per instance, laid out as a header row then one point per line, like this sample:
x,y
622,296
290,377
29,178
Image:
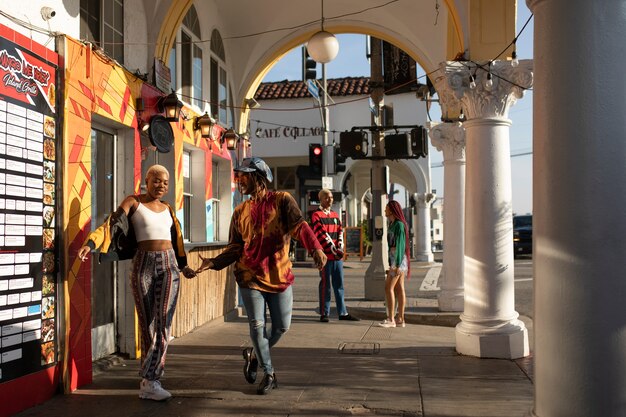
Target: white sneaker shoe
x,y
152,390
387,323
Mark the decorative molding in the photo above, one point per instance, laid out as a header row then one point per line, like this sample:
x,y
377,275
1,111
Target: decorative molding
x,y
450,104
449,138
424,200
485,101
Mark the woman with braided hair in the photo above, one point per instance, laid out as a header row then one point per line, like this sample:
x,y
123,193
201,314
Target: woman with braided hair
x,y
399,264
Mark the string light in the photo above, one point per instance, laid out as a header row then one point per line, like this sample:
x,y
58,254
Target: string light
x,y
472,83
489,82
514,60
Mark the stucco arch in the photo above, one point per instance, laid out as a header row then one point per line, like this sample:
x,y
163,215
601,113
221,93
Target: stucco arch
x,y
409,173
418,52
429,33
414,32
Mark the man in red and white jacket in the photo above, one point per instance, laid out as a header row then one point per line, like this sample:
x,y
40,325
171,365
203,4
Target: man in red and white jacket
x,y
327,227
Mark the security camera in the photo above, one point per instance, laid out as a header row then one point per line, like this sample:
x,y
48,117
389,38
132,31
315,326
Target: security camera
x,y
47,13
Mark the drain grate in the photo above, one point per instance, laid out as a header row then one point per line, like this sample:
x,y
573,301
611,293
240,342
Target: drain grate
x,y
359,348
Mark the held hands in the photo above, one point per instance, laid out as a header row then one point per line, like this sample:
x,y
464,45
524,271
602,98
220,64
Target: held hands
x,y
206,264
188,272
319,258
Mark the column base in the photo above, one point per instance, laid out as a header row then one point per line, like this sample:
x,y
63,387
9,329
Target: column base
x,y
451,301
506,340
374,284
425,257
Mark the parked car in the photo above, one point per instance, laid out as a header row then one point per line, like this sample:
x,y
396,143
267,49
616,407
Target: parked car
x,y
522,235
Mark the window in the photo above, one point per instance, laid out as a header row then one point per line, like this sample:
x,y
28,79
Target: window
x,y
187,195
285,179
186,61
218,207
102,22
215,203
194,213
219,80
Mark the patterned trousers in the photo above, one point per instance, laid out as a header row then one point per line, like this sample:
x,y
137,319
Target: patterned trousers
x,y
155,280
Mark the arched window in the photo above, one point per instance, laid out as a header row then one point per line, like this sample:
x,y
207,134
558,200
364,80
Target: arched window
x,y
186,60
219,80
102,22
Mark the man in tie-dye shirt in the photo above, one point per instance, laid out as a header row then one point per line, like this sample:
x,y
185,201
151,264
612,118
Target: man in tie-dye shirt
x,y
260,232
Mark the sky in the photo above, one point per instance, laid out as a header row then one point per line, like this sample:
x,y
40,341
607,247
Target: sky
x,y
352,62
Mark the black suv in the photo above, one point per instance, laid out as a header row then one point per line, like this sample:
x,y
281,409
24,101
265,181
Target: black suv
x,y
522,235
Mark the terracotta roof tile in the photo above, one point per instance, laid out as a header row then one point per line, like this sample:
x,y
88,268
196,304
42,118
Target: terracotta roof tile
x,y
349,86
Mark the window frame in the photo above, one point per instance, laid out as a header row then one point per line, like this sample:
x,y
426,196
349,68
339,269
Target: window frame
x,y
110,36
185,67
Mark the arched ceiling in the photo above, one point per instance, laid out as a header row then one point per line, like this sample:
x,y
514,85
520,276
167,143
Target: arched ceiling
x,y
257,34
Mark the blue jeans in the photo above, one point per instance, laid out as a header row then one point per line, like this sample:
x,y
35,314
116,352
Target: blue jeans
x,y
333,271
280,305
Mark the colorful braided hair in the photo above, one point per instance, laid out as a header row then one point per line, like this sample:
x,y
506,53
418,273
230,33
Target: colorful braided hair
x,y
396,210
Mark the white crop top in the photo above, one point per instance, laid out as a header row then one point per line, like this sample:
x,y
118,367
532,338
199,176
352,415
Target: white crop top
x,y
150,225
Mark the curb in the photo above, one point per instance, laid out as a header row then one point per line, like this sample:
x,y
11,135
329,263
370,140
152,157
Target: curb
x,y
429,317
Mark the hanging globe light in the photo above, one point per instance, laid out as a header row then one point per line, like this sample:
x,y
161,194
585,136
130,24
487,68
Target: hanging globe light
x,y
323,47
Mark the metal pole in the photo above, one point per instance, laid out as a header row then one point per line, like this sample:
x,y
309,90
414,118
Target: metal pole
x,y
375,274
324,122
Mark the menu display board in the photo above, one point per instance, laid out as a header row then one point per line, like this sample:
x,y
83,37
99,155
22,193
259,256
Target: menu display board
x,y
28,299
353,238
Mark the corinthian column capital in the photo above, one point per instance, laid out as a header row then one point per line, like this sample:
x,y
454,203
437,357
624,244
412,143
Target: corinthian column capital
x,y
485,90
449,138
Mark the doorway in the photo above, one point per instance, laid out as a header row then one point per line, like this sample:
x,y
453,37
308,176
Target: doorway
x,y
103,276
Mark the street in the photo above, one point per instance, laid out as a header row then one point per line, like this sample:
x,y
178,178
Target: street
x,y
423,283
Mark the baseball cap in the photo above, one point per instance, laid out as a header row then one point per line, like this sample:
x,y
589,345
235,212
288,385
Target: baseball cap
x,y
256,164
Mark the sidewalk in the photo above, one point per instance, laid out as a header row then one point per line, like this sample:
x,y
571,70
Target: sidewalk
x,y
323,369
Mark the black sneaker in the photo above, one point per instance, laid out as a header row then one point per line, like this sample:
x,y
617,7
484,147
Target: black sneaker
x,y
324,319
269,383
250,366
349,317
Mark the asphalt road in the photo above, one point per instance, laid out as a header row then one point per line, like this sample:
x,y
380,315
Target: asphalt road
x,y
423,282
524,286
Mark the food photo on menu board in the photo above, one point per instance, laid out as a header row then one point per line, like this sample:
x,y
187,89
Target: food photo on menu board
x,y
28,129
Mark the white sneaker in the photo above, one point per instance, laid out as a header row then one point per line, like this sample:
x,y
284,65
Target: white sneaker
x,y
387,323
152,390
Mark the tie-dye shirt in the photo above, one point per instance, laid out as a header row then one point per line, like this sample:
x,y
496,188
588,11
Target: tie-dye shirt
x,y
259,238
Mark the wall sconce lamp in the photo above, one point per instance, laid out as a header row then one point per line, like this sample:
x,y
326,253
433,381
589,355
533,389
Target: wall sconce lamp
x,y
252,103
142,124
171,106
231,138
204,124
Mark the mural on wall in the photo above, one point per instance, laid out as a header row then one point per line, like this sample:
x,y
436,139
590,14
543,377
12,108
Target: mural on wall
x,y
94,84
28,252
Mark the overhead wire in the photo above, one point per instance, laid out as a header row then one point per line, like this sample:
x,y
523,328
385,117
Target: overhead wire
x,y
48,32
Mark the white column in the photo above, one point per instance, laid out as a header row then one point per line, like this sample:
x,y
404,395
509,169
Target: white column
x,y
450,139
579,213
489,324
421,228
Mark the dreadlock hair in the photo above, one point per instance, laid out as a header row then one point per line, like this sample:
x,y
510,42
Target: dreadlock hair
x,y
260,180
396,211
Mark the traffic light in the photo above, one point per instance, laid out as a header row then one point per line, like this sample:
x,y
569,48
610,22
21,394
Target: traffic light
x,y
340,160
316,157
419,142
397,146
353,144
309,66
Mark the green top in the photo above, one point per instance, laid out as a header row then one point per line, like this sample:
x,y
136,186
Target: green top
x,y
397,238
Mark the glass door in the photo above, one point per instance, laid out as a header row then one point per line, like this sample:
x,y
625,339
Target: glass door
x,y
103,330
